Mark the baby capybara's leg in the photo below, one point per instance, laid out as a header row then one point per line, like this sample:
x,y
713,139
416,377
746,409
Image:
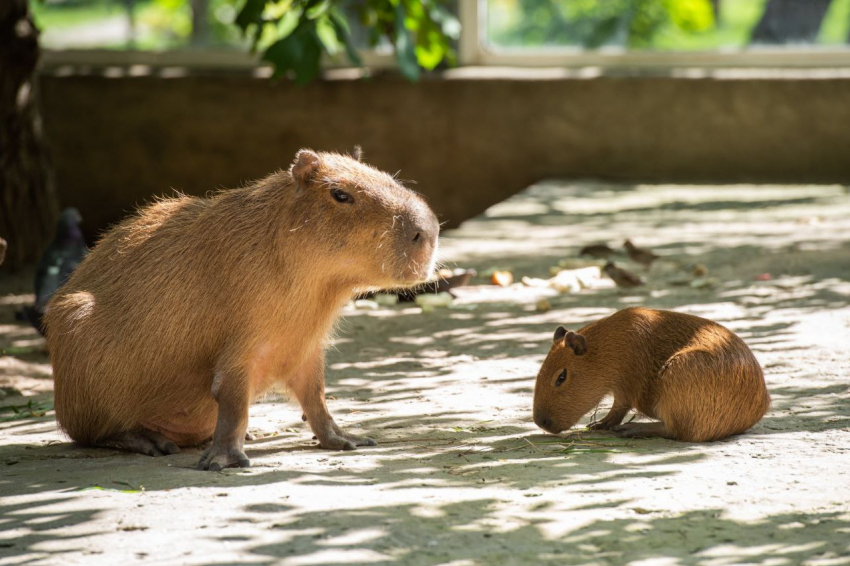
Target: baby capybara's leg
x,y
614,417
308,386
143,441
231,391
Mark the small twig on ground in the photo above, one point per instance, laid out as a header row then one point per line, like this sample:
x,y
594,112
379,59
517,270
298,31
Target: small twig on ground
x,y
530,443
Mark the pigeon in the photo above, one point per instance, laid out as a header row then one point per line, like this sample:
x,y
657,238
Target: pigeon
x,y
599,251
2,250
639,255
58,261
621,277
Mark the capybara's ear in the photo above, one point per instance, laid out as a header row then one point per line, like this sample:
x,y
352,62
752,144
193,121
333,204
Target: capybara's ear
x,y
559,335
576,342
304,167
358,153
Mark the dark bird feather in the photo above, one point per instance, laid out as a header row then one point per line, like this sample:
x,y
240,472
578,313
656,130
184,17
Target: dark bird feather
x,y
599,251
621,277
639,255
58,261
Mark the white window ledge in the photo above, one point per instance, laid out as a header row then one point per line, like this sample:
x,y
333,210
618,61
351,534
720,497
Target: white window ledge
x,y
517,65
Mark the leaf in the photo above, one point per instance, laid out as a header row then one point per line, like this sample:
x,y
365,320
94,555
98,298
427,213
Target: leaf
x,y
691,15
327,34
341,27
449,24
251,13
21,350
318,10
99,488
405,51
300,51
288,22
30,410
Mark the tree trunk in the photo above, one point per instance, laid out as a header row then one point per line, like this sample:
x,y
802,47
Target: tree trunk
x,y
200,23
790,21
130,12
28,202
715,7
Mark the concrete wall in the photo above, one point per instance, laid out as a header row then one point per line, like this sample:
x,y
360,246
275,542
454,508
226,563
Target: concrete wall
x,y
467,140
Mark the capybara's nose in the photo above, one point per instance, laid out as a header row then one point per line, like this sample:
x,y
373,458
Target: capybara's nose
x,y
543,421
419,234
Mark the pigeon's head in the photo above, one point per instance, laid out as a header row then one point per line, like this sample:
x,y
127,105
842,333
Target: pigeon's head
x,y
369,227
68,224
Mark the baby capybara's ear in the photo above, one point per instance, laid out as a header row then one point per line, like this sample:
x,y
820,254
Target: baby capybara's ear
x,y
577,342
559,335
305,167
358,153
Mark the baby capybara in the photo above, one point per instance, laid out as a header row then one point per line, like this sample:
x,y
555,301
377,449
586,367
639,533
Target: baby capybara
x,y
191,308
694,376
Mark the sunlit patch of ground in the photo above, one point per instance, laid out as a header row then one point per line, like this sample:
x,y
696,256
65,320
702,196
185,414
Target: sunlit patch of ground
x,y
461,476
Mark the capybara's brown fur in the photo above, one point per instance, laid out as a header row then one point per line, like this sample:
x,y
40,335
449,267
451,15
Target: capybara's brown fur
x,y
191,308
696,377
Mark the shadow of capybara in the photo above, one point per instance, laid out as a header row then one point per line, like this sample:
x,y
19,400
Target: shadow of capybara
x,y
697,378
188,310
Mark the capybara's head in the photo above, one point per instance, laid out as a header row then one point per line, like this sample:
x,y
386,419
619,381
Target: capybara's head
x,y
382,233
567,386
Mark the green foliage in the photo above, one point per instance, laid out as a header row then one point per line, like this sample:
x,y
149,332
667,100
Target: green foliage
x,y
294,34
32,409
594,23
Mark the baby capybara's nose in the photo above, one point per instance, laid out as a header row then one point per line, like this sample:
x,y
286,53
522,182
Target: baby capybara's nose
x,y
543,421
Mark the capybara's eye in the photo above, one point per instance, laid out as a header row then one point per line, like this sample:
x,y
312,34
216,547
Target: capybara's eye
x,y
342,196
561,378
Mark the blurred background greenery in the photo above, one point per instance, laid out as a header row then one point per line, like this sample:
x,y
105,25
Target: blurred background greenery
x,y
666,25
662,25
295,35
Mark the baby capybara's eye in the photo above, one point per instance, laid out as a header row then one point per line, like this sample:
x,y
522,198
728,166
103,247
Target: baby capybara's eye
x,y
561,378
342,196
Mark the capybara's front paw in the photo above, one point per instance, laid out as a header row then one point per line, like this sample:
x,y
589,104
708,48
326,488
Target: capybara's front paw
x,y
216,458
602,424
642,430
342,441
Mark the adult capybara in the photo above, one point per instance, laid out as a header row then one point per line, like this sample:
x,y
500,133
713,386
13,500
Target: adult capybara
x,y
696,377
188,310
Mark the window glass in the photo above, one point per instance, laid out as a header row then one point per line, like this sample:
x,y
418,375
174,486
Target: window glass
x,y
667,25
161,24
135,24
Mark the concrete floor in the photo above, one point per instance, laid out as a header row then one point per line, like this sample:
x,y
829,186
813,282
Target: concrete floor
x,y
461,475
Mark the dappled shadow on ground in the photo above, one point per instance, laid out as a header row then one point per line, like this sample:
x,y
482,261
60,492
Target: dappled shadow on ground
x,y
699,537
460,475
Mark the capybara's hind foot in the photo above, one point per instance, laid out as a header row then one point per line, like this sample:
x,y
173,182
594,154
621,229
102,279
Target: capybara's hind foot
x,y
337,439
642,430
216,458
143,441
